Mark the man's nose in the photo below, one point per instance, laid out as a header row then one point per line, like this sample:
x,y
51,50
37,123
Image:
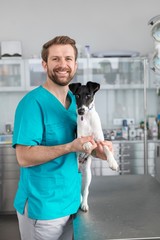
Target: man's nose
x,y
62,62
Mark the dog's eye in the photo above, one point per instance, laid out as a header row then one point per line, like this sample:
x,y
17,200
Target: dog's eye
x,y
88,96
77,96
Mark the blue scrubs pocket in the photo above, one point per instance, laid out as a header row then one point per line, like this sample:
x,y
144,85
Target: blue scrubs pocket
x,y
46,188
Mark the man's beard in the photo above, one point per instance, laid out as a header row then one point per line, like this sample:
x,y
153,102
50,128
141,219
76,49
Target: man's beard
x,y
54,78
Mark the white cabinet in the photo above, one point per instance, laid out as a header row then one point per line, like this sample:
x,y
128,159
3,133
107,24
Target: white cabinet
x,y
12,75
35,74
111,73
24,75
117,72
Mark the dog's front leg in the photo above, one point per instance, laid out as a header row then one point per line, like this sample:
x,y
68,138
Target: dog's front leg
x,y
110,158
87,176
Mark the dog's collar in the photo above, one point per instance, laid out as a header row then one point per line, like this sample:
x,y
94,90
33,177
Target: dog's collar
x,y
89,109
91,106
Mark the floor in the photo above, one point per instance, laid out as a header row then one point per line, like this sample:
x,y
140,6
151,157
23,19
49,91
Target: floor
x,y
9,227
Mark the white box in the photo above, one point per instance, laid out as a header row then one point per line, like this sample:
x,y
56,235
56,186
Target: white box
x,y
11,49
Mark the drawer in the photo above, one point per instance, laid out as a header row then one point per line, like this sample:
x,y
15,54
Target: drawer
x,y
8,159
140,162
8,194
140,170
138,146
7,150
9,167
10,175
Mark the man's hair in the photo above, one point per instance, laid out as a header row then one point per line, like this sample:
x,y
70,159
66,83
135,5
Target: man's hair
x,y
59,40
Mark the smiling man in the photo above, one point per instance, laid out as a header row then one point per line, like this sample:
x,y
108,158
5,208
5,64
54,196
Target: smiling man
x,y
44,136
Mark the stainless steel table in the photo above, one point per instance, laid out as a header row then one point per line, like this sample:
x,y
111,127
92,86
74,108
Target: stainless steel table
x,y
121,207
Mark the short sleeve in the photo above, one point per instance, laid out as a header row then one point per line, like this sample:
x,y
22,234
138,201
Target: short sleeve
x,y
28,124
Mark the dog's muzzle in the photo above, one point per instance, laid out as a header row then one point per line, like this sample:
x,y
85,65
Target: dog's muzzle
x,y
81,111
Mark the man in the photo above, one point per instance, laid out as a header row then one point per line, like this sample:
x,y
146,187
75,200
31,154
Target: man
x,y
48,192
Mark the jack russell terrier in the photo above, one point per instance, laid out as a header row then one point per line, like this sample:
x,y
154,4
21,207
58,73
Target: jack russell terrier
x,y
88,123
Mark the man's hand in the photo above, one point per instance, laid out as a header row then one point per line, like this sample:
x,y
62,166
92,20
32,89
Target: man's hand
x,y
83,144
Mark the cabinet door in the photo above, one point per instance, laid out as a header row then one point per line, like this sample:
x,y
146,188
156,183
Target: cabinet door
x,y
82,73
136,157
117,72
11,75
35,74
9,176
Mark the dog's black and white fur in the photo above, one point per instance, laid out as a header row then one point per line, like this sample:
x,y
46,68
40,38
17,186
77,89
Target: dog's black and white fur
x,y
88,123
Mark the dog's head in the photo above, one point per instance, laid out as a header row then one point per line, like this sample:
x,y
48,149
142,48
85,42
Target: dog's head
x,y
84,95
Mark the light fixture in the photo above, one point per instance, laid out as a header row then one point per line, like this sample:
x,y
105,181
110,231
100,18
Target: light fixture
x,y
155,32
155,22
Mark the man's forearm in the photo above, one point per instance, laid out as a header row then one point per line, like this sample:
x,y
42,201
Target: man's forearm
x,y
28,156
34,155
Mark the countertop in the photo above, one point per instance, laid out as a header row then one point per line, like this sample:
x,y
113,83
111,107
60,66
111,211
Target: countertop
x,y
6,139
135,141
121,207
6,143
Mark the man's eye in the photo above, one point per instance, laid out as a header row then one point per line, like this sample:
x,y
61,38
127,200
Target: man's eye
x,y
69,59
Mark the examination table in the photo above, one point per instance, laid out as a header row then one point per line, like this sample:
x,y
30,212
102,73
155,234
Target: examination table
x,y
121,207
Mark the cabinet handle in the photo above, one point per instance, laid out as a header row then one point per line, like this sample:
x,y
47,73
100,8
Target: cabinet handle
x,y
125,147
158,150
124,155
124,163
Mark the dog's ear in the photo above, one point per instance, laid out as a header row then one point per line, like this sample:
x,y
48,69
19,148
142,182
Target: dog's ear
x,y
93,86
74,87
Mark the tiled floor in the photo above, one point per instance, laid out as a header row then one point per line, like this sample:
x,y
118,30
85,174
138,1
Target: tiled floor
x,y
9,227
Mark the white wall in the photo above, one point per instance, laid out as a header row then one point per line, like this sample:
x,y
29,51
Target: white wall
x,y
103,24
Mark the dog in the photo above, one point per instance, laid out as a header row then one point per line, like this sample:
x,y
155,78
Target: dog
x,y
88,123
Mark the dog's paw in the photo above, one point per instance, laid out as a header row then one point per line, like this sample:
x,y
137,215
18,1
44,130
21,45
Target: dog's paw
x,y
113,164
111,161
84,207
87,146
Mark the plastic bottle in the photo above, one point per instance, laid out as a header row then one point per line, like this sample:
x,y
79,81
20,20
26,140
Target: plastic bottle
x,y
132,132
154,129
125,129
87,51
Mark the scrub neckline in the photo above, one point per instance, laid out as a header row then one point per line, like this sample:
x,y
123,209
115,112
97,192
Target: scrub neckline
x,y
52,95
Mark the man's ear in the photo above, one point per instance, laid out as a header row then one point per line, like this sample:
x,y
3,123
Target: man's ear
x,y
74,87
44,65
93,86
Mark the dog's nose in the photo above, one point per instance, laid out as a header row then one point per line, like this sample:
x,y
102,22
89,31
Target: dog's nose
x,y
81,111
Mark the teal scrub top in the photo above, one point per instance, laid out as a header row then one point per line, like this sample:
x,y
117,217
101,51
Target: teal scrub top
x,y
52,189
